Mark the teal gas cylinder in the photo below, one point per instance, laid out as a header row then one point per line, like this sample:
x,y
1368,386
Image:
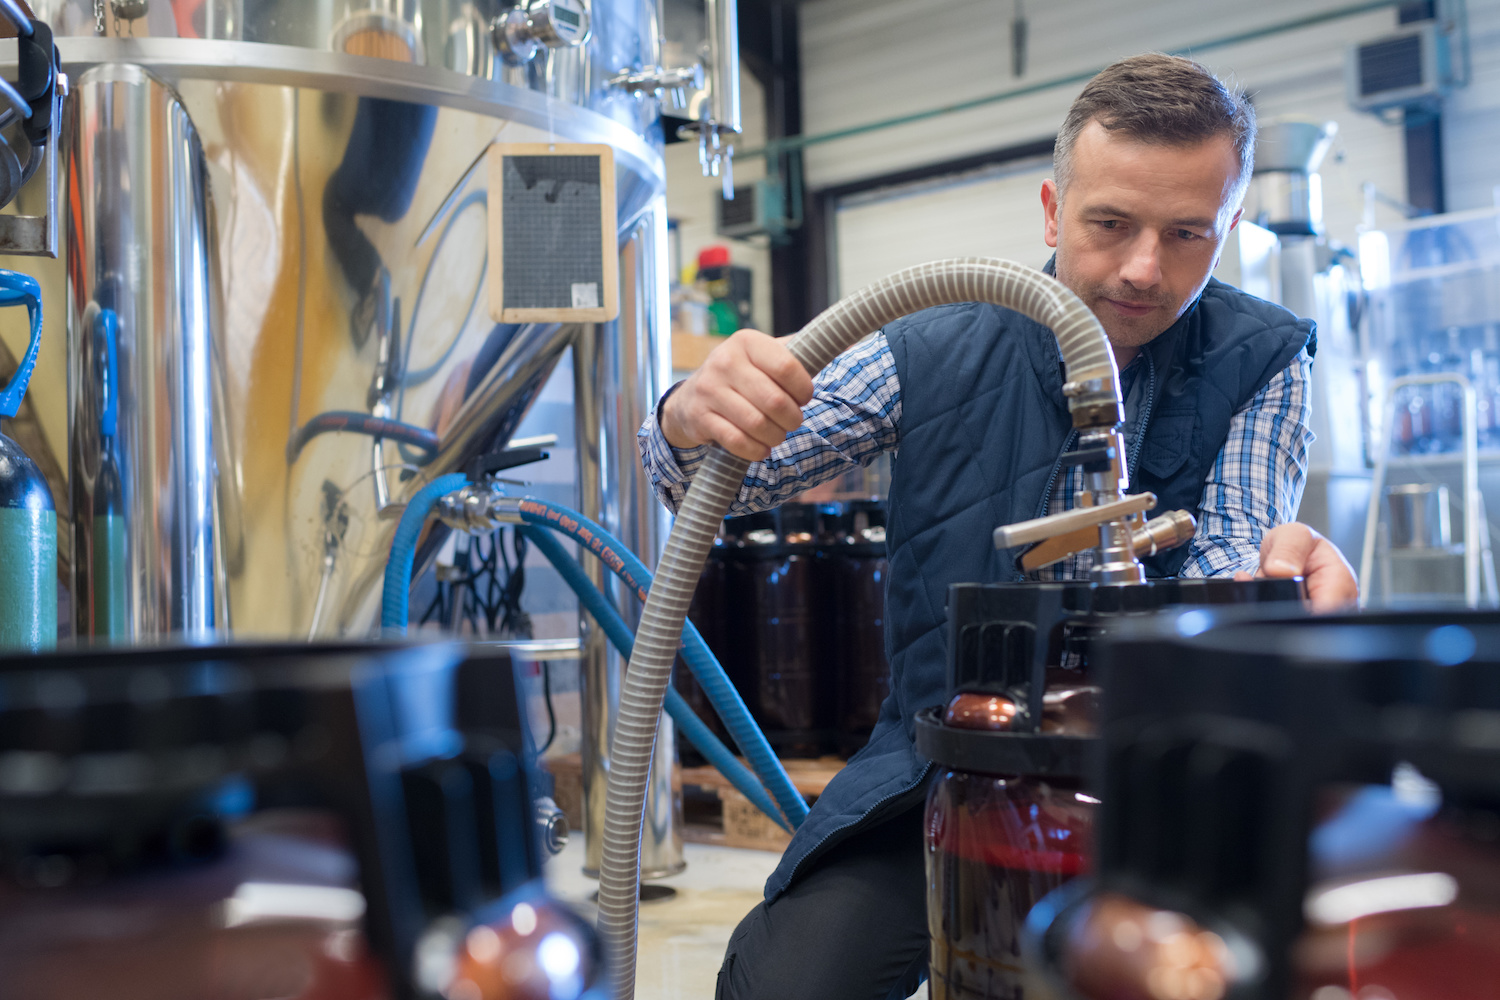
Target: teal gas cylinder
x,y
28,517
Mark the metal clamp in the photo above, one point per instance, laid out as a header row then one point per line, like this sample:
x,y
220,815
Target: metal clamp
x,y
42,86
552,825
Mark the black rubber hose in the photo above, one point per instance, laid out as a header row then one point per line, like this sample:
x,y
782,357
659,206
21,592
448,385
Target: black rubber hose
x,y
354,422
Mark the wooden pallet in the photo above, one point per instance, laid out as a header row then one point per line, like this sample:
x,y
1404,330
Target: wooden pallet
x,y
738,823
714,812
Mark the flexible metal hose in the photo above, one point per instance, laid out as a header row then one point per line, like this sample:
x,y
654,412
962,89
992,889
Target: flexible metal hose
x,y
1093,398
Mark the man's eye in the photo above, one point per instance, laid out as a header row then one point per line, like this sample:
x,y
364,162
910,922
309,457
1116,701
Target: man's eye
x,y
1187,234
1109,223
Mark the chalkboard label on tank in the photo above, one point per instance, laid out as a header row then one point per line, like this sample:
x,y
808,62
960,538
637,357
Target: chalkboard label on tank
x,y
553,249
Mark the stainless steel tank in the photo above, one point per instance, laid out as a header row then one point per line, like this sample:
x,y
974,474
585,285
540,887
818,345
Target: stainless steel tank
x,y
276,210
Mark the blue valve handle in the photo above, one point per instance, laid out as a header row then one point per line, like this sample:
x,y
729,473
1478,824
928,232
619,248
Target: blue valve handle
x,y
107,329
18,289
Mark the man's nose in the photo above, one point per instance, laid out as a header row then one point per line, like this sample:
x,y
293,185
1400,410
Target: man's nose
x,y
1142,268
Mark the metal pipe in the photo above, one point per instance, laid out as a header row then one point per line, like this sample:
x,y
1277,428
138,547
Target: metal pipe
x,y
1172,529
620,369
724,54
142,250
16,15
719,121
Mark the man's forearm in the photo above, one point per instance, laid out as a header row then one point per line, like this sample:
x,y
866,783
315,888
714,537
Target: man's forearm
x,y
851,420
1257,478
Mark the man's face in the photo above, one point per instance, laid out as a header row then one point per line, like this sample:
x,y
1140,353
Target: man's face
x,y
1140,227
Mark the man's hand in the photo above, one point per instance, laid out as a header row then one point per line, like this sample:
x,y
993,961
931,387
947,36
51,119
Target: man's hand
x,y
1296,549
747,397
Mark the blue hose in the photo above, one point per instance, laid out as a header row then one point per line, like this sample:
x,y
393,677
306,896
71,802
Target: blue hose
x,y
695,652
700,659
397,594
697,733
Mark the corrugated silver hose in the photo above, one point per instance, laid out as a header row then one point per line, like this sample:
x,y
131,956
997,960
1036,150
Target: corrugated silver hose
x,y
1093,398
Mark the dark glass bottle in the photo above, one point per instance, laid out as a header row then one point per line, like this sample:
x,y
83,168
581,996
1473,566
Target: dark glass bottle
x,y
858,565
995,846
776,584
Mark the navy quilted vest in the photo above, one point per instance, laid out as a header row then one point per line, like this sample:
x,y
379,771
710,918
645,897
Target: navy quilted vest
x,y
983,425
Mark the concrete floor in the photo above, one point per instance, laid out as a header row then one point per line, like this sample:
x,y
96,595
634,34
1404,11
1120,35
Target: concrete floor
x,y
682,938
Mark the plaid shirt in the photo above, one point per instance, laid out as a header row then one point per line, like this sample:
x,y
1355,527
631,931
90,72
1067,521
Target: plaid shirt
x,y
855,415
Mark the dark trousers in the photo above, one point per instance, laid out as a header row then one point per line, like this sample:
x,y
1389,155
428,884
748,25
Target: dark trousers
x,y
852,928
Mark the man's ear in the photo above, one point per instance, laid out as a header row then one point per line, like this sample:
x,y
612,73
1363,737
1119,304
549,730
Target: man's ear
x,y
1219,254
1051,205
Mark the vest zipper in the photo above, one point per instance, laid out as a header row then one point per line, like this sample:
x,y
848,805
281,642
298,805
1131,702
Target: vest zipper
x,y
1140,435
907,790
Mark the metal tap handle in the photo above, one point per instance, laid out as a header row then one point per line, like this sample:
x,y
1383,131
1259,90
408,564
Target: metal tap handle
x,y
1042,528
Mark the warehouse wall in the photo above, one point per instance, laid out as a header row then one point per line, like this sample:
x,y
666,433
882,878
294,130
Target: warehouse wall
x,y
1471,141
872,59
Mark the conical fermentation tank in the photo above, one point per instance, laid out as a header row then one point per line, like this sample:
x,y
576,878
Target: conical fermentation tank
x,y
276,214
275,234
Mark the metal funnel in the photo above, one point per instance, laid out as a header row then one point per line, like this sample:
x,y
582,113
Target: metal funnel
x,y
1294,145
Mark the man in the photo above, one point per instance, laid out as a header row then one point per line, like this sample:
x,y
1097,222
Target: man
x,y
1151,166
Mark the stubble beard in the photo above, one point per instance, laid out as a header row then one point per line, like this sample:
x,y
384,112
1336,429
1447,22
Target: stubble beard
x,y
1123,331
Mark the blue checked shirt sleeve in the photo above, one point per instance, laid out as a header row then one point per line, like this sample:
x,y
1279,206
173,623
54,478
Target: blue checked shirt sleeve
x,y
1256,482
853,417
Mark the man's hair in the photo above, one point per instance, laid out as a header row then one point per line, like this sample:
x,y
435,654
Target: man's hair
x,y
1164,101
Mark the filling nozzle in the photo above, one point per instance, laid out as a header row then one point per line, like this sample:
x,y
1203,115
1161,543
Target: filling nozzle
x,y
1108,519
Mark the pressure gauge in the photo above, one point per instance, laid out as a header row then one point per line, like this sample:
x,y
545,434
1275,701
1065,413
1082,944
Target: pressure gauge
x,y
520,33
559,23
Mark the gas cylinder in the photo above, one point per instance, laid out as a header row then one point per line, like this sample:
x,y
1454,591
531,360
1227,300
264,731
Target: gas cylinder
x,y
28,517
